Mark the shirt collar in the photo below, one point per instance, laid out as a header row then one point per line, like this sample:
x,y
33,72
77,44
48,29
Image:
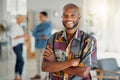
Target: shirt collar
x,y
76,36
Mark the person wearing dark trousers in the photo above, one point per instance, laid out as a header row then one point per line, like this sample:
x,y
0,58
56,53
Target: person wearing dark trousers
x,y
18,37
18,49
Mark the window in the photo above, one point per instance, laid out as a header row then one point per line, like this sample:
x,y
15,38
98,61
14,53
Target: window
x,y
16,7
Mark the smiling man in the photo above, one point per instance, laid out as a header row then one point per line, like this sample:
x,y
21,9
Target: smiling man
x,y
70,54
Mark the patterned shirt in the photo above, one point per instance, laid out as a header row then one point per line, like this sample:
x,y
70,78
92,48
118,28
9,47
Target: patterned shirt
x,y
82,46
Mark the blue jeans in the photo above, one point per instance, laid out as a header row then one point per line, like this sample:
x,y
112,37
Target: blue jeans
x,y
18,49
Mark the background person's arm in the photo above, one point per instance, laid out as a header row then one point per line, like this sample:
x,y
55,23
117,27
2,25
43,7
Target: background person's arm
x,y
46,33
43,34
35,33
21,36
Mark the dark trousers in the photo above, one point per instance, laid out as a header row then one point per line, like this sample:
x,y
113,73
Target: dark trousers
x,y
18,49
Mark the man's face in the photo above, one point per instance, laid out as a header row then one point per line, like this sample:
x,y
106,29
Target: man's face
x,y
42,18
21,19
70,18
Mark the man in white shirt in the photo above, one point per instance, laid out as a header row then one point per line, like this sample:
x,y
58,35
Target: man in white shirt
x,y
18,36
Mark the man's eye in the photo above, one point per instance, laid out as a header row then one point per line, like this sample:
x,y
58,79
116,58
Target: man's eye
x,y
73,16
65,16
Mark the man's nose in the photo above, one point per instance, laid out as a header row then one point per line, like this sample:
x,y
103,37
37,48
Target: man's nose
x,y
69,18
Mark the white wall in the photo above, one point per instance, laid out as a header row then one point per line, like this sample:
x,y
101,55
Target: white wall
x,y
111,26
51,6
1,8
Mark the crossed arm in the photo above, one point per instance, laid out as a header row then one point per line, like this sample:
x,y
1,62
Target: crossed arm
x,y
43,33
70,67
66,67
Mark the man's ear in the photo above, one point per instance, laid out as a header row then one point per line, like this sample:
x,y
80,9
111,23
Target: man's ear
x,y
79,17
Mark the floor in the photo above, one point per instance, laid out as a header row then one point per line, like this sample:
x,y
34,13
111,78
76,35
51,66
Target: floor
x,y
7,70
7,63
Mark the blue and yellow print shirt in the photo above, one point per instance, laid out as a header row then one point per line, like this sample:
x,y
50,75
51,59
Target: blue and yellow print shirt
x,y
83,46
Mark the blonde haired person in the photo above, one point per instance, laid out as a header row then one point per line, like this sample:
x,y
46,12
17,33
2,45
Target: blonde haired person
x,y
18,37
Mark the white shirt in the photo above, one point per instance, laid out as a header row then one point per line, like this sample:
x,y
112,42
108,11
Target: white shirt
x,y
16,30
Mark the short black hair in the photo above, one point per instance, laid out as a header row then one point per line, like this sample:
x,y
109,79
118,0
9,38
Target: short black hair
x,y
44,13
71,5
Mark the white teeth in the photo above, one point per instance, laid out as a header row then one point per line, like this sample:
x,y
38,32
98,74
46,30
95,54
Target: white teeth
x,y
69,22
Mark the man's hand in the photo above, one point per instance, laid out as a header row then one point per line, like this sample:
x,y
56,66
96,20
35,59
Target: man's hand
x,y
75,62
44,37
49,55
22,36
25,36
17,37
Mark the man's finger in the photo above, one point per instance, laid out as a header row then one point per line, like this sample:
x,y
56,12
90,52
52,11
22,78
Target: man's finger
x,y
47,51
48,47
46,54
45,57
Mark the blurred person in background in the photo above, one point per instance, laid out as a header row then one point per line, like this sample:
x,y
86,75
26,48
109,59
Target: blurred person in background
x,y
41,33
18,37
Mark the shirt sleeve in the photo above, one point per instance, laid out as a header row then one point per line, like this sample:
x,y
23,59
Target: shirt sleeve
x,y
13,35
16,30
50,43
35,32
91,55
44,32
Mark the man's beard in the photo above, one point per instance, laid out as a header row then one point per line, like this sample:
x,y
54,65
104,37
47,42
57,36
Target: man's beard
x,y
75,25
